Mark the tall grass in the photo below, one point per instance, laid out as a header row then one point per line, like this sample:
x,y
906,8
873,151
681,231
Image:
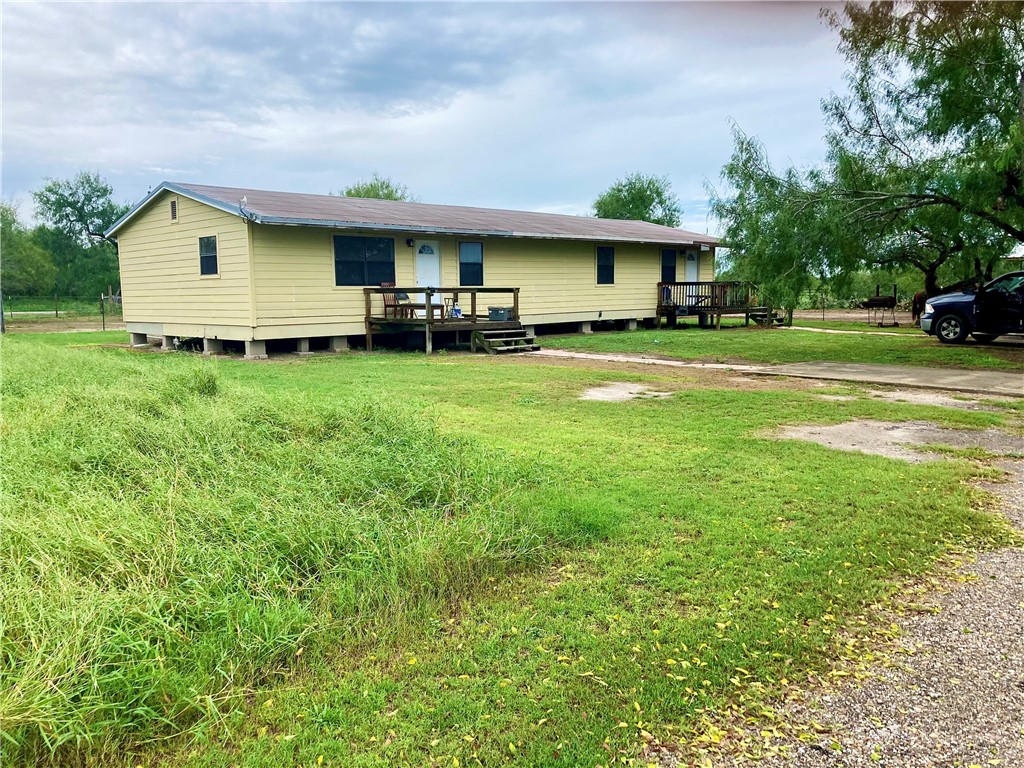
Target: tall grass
x,y
168,540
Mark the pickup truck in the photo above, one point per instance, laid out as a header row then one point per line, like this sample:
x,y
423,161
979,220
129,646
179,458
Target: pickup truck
x,y
993,310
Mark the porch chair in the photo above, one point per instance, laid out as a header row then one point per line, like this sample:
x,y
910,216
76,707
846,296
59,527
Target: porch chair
x,y
394,303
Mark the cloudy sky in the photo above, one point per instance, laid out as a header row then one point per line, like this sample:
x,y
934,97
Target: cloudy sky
x,y
525,106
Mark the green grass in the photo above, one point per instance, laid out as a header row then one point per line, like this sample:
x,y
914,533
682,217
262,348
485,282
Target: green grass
x,y
760,345
393,560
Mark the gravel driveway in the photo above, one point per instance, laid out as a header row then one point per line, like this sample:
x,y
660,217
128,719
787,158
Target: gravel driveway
x,y
956,695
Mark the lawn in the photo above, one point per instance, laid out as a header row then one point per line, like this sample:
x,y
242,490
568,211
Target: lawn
x,y
779,345
388,559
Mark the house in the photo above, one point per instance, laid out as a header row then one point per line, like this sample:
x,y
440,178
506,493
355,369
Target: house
x,y
221,263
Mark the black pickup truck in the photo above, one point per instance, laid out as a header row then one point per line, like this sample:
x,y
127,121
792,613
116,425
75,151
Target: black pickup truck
x,y
993,310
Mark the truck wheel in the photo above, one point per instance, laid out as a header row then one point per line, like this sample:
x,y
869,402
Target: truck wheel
x,y
951,329
985,338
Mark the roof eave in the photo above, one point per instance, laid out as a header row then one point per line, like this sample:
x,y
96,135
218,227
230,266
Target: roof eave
x,y
184,191
169,186
364,225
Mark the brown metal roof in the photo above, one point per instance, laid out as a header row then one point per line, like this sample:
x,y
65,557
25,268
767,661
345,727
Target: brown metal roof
x,y
351,212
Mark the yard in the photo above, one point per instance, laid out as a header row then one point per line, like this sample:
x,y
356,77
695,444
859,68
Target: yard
x,y
388,559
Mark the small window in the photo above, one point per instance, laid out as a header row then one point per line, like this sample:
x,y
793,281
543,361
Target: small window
x,y
471,263
363,260
208,255
668,265
174,210
605,265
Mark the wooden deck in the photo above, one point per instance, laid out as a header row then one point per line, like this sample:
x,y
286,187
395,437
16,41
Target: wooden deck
x,y
393,310
709,301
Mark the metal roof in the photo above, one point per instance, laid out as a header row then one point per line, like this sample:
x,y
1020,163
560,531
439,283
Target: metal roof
x,y
290,208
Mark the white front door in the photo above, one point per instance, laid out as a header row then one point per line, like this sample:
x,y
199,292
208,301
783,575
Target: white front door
x,y
692,271
428,268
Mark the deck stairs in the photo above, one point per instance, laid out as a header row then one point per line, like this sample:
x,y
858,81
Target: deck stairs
x,y
504,341
760,316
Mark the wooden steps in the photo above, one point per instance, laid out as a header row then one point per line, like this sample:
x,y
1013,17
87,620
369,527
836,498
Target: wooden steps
x,y
760,316
504,340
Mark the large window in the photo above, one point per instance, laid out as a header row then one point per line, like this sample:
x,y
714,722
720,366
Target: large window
x,y
363,260
605,265
471,263
668,265
208,255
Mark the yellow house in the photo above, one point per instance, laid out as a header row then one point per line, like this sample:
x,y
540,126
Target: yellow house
x,y
247,265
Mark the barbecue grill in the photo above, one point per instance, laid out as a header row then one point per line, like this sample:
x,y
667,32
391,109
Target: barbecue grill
x,y
878,305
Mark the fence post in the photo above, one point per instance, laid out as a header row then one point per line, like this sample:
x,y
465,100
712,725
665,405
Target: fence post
x,y
56,306
103,313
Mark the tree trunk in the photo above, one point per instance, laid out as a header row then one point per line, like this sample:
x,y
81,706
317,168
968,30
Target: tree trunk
x,y
982,273
931,280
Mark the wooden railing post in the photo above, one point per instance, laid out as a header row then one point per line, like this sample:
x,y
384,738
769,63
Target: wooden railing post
x,y
369,328
515,303
472,305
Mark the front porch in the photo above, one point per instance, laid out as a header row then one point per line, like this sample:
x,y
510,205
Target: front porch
x,y
397,309
710,300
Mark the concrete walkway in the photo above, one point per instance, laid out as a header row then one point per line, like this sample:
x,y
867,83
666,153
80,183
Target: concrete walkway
x,y
991,383
855,333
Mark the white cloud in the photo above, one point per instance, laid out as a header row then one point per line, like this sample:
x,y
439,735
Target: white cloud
x,y
522,106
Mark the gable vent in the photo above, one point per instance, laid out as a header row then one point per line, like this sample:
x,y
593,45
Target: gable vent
x,y
174,210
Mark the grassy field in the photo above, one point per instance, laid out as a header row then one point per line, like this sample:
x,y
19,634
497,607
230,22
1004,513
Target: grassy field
x,y
393,560
777,345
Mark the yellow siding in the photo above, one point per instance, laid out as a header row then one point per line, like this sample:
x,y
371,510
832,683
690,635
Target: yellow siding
x,y
159,258
291,270
706,267
294,277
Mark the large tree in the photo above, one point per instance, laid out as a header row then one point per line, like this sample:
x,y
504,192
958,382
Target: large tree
x,y
935,114
83,207
76,213
380,188
926,152
777,232
25,267
640,198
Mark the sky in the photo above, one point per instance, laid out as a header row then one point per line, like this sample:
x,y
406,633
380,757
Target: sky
x,y
508,105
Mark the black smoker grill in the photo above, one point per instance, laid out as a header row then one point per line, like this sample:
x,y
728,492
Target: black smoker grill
x,y
878,305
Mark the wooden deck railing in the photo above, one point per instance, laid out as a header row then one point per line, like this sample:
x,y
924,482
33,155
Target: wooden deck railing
x,y
428,310
706,296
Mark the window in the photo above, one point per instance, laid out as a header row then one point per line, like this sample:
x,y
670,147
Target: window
x,y
668,265
605,265
363,260
174,210
471,263
208,255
